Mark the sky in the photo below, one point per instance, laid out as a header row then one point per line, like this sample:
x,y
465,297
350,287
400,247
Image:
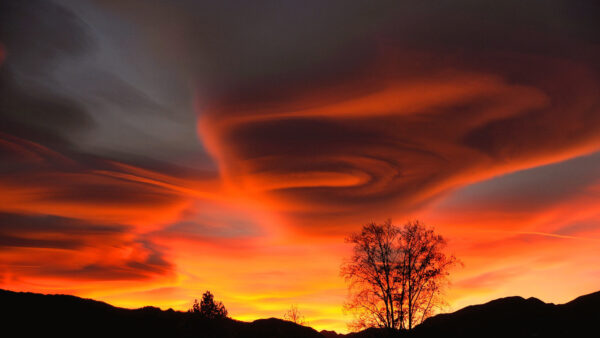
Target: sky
x,y
152,150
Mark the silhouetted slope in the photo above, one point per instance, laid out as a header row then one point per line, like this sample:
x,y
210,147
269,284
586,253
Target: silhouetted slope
x,y
368,333
518,317
36,315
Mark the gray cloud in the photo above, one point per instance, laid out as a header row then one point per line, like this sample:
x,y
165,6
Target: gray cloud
x,y
69,84
46,231
125,80
532,189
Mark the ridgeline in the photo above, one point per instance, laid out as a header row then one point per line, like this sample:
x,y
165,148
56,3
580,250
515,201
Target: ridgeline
x,y
37,315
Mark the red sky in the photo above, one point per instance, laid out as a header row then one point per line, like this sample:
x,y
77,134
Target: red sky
x,y
144,162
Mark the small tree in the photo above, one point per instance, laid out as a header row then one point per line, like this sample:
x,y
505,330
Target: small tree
x,y
195,307
208,308
294,315
395,274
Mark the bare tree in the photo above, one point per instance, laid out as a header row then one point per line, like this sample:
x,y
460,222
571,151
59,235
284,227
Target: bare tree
x,y
294,315
208,308
396,274
372,276
424,269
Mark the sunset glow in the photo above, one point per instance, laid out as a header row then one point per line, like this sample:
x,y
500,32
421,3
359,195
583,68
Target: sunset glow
x,y
143,162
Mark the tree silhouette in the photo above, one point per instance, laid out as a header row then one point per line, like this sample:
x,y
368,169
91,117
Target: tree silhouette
x,y
195,307
294,315
208,308
396,274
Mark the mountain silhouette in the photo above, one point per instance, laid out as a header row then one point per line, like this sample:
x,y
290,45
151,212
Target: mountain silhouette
x,y
36,315
518,317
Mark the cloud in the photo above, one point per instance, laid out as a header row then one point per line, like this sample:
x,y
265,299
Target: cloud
x,y
205,145
46,246
398,108
579,228
398,142
45,231
35,36
34,41
490,279
68,85
529,190
49,182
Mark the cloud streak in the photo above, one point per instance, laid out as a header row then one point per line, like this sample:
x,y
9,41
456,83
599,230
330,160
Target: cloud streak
x,y
153,152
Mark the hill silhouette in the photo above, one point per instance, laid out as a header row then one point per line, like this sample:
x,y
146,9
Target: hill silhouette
x,y
31,314
518,317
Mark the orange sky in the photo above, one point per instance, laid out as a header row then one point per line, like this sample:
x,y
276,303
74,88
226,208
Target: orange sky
x,y
143,237
164,162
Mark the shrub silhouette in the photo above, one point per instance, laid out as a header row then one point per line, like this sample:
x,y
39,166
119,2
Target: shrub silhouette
x,y
208,308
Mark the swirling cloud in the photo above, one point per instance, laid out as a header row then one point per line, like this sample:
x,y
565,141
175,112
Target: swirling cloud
x,y
148,153
404,136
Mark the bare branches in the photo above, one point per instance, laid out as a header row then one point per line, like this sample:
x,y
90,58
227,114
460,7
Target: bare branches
x,y
395,274
371,275
294,315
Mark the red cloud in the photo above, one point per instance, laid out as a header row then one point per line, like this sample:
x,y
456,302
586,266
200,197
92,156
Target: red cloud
x,y
403,134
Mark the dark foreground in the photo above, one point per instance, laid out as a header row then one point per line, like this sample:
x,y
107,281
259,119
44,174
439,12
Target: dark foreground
x,y
36,315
